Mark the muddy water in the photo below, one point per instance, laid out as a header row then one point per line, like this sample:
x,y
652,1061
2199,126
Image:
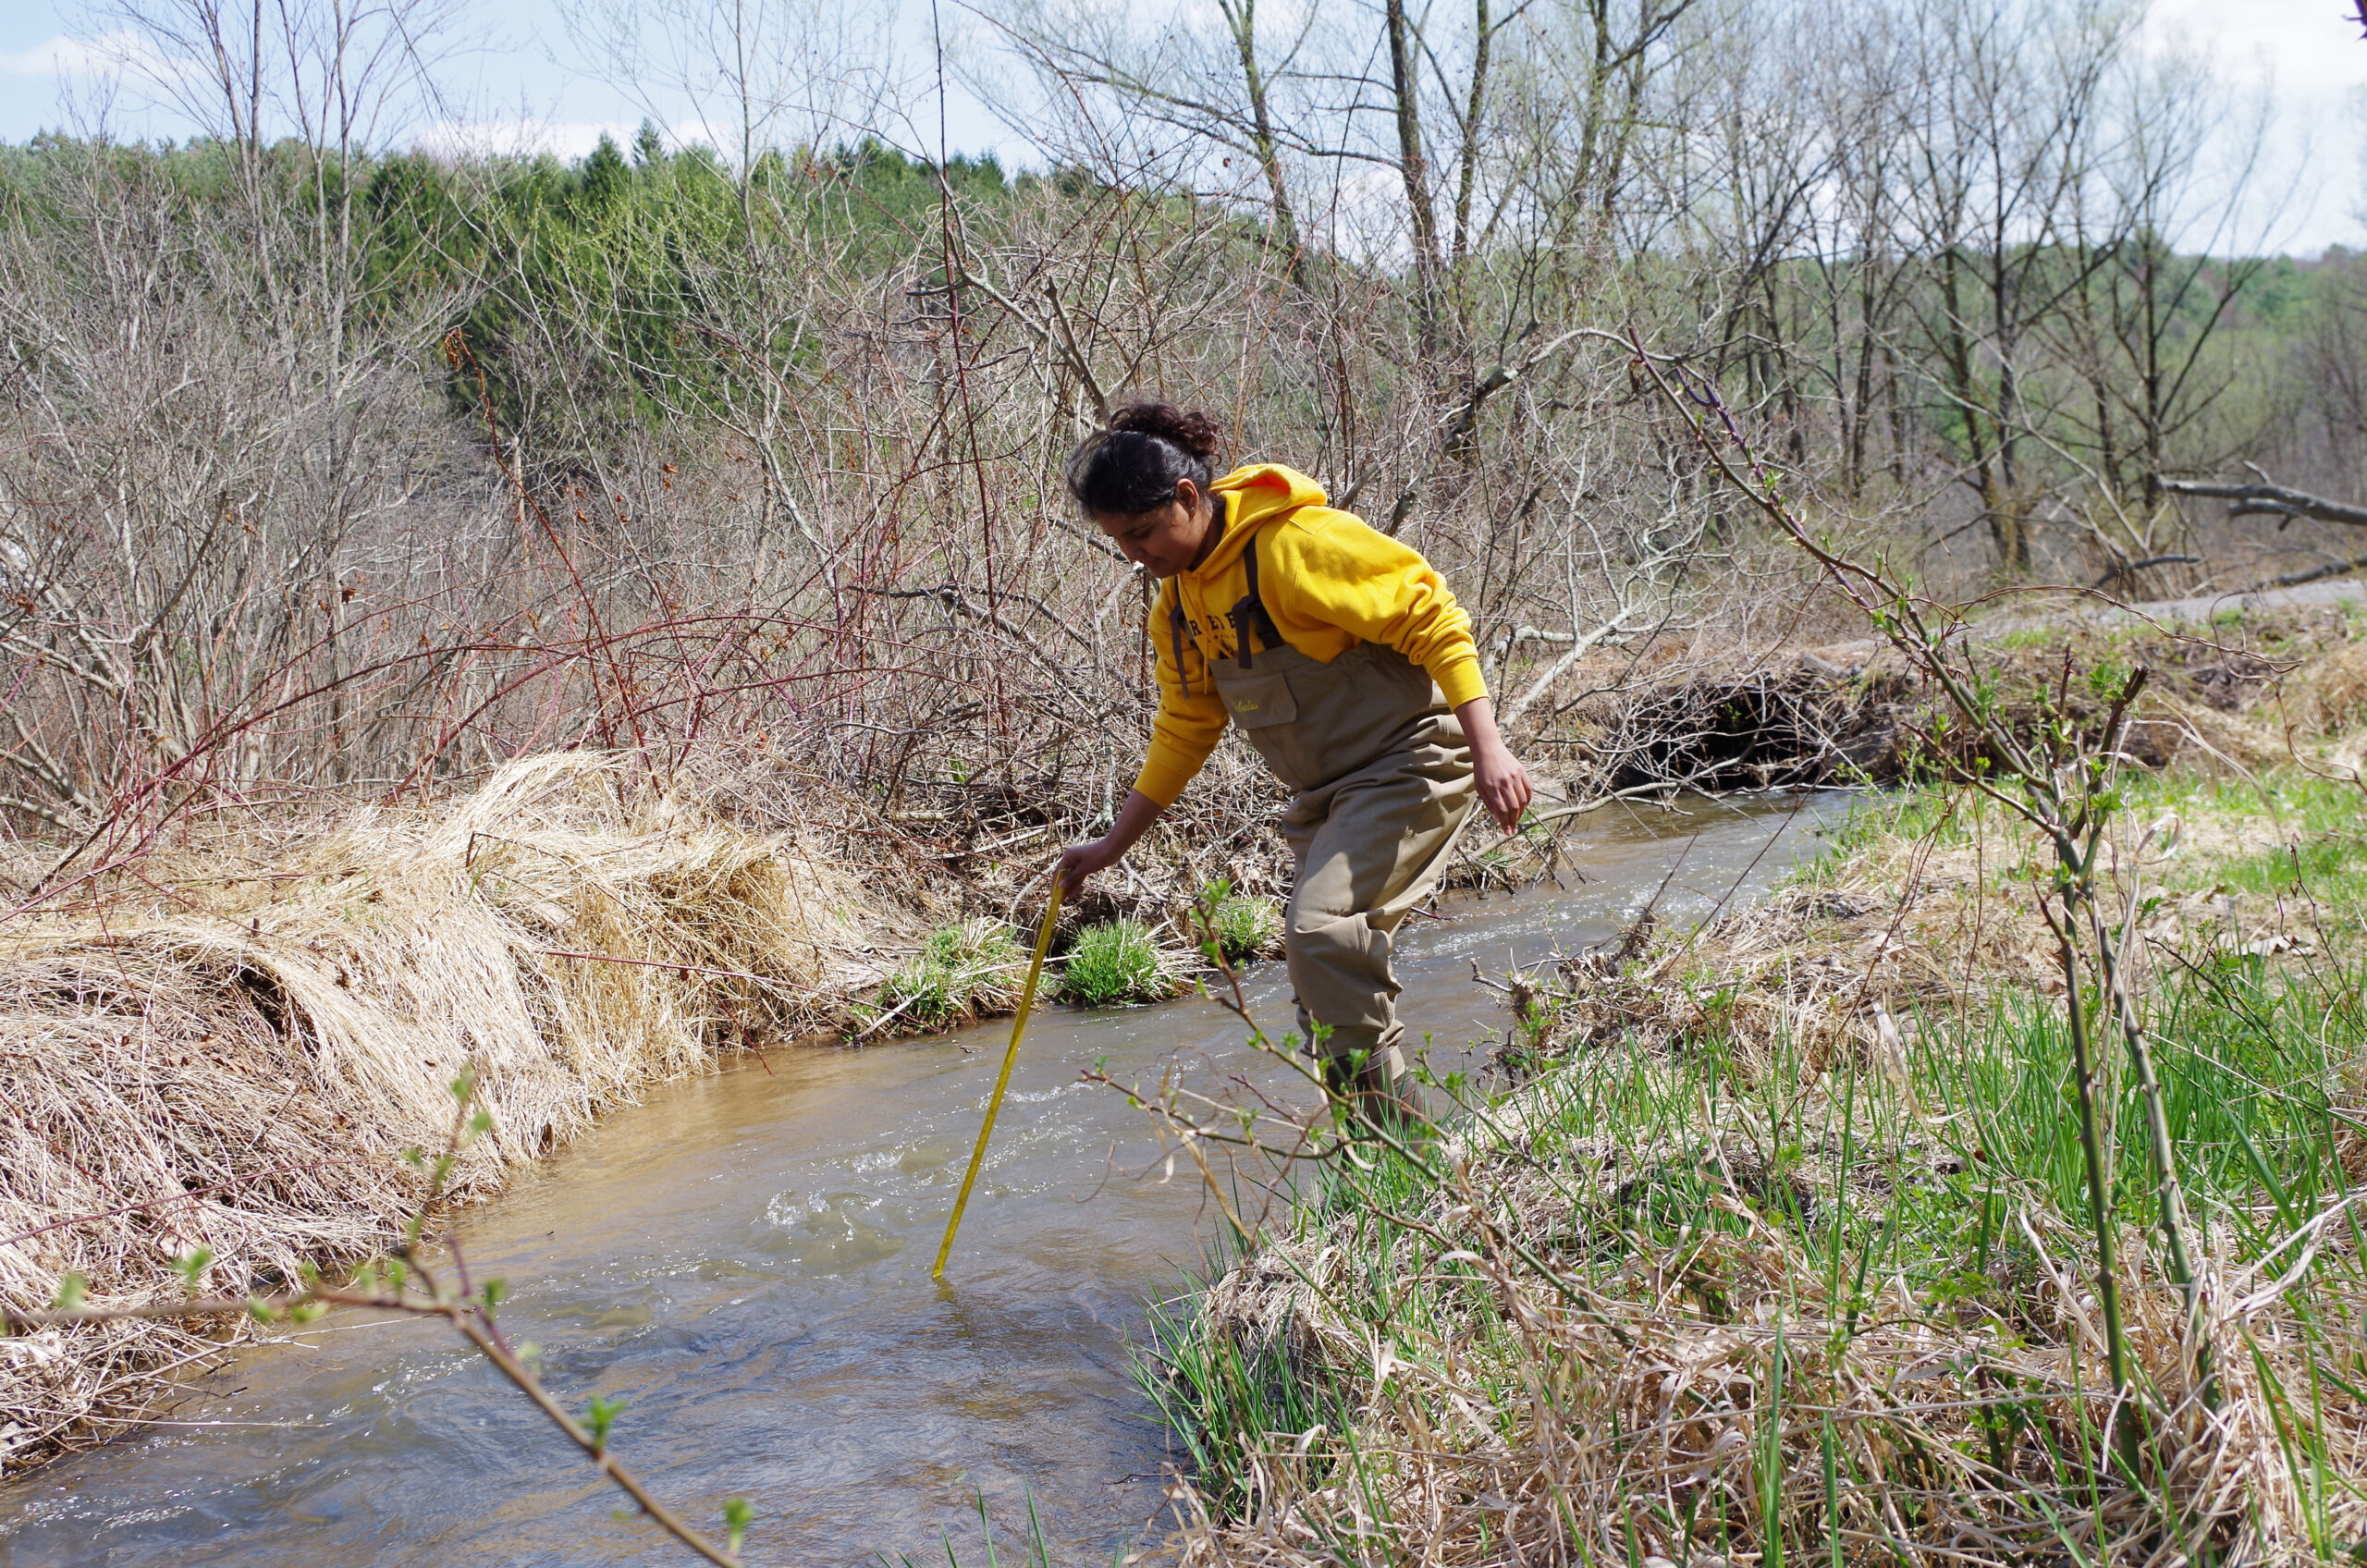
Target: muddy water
x,y
744,1259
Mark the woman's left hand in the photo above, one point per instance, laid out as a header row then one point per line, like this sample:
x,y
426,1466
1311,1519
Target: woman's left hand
x,y
1503,784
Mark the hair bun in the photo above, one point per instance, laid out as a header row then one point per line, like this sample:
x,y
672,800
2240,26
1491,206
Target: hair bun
x,y
1195,432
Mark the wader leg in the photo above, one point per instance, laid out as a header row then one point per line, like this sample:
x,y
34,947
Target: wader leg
x,y
1370,848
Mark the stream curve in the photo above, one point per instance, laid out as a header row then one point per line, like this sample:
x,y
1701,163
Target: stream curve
x,y
743,1259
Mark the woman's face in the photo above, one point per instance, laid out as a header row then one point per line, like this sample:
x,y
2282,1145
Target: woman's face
x,y
1167,539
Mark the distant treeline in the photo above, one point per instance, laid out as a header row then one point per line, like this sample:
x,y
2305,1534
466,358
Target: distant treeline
x,y
336,466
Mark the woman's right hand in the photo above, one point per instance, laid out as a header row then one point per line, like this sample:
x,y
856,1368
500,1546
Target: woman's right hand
x,y
1081,861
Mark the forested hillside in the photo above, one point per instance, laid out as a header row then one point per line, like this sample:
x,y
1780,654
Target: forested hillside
x,y
341,465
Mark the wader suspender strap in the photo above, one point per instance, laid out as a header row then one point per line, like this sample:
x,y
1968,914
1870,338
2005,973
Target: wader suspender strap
x,y
1175,630
1252,611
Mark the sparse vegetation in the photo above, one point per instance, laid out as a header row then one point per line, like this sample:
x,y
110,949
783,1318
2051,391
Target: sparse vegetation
x,y
962,973
1783,1250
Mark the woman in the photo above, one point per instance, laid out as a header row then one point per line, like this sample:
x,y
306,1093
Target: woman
x,y
1346,662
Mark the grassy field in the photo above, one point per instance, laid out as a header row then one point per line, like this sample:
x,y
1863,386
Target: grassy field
x,y
1780,1247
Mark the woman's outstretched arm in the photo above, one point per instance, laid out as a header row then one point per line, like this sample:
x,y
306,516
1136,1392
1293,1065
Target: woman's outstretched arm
x,y
1081,861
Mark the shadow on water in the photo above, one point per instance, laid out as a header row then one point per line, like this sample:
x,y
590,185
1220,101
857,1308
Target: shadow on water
x,y
744,1258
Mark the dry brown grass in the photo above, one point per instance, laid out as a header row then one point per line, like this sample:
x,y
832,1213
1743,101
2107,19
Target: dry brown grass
x,y
1707,1384
239,1066
1724,1394
2330,692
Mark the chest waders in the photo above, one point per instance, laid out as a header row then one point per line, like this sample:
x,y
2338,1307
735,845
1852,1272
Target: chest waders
x,y
1380,776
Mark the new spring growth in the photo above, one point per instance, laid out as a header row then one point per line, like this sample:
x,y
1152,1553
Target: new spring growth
x,y
737,1514
192,1267
70,1291
598,1417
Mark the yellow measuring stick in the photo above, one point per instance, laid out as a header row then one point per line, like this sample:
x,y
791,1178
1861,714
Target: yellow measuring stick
x,y
1018,1027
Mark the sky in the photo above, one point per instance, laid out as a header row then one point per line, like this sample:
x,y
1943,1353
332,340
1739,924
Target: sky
x,y
520,86
523,89
2308,56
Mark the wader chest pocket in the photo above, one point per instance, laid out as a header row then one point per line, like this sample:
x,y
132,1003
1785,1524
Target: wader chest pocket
x,y
1258,701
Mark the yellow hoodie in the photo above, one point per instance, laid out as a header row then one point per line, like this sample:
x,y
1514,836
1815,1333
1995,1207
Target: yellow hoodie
x,y
1328,581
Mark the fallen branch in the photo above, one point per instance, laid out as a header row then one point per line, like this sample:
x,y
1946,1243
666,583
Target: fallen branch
x,y
2314,575
2130,568
2266,500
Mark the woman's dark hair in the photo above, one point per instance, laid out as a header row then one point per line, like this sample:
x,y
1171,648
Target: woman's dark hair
x,y
1133,466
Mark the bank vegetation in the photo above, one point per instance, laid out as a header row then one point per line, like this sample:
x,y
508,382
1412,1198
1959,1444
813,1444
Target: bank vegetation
x,y
579,618
1842,1228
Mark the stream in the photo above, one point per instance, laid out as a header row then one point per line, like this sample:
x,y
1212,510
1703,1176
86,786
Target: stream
x,y
743,1259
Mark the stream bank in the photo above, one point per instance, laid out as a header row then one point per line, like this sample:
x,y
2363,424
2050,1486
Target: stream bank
x,y
1784,1249
743,1256
228,1046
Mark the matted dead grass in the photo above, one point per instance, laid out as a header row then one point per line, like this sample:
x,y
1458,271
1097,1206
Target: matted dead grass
x,y
239,1066
1721,1380
1479,1409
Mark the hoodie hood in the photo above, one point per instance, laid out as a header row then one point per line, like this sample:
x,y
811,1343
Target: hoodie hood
x,y
1257,495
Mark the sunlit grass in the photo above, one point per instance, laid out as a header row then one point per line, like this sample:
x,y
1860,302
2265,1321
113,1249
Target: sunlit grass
x,y
960,972
1892,1249
1116,964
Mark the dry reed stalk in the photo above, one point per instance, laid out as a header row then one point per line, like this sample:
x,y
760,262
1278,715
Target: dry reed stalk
x,y
243,1073
1536,1432
1517,1417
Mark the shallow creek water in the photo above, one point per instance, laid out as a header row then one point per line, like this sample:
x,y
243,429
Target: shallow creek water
x,y
744,1258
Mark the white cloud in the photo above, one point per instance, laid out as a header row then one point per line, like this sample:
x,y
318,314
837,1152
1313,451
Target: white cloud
x,y
2305,57
105,55
519,138
522,138
2307,47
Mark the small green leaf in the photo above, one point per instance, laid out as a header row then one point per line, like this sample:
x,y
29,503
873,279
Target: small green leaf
x,y
737,1516
598,1417
70,1291
192,1266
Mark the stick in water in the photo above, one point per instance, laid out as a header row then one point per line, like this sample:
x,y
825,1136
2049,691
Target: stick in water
x,y
1011,1055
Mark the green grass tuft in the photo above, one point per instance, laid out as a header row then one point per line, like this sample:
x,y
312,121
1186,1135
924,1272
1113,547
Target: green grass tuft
x,y
1115,964
1245,926
962,972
